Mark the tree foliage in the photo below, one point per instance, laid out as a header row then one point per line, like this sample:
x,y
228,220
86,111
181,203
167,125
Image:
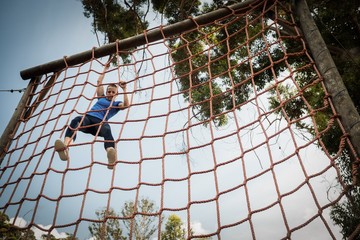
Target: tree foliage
x,y
339,24
346,214
213,84
9,231
107,227
122,19
116,19
140,221
173,229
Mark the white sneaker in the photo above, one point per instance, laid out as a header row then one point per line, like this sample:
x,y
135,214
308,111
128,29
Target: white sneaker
x,y
61,149
111,155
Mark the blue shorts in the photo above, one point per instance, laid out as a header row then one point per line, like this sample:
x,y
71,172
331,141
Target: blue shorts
x,y
91,125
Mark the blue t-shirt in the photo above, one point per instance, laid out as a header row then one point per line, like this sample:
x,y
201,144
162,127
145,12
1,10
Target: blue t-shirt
x,y
103,107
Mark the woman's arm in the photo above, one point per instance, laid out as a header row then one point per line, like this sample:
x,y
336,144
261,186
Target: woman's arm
x,y
100,88
125,103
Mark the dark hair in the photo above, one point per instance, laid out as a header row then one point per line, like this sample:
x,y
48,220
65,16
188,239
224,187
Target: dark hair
x,y
113,85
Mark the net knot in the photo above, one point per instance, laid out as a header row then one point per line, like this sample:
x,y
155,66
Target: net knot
x,y
65,61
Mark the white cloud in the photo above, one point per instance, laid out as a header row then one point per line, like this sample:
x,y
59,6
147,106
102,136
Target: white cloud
x,y
198,228
20,222
54,232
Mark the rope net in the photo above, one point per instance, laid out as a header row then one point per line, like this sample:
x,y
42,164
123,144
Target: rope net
x,y
220,131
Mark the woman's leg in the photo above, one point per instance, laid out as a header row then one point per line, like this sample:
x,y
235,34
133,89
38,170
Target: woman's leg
x,y
105,132
109,144
70,131
60,146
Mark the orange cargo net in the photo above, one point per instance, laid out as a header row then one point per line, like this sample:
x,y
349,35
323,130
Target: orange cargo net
x,y
209,136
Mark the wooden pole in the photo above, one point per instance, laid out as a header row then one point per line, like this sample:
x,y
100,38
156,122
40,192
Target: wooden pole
x,y
343,104
13,125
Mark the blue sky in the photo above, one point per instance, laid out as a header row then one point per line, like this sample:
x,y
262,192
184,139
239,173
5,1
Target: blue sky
x,y
34,33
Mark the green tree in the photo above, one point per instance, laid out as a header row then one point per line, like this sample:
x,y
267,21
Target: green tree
x,y
341,32
174,229
12,232
339,25
346,214
48,237
140,219
107,227
232,83
116,19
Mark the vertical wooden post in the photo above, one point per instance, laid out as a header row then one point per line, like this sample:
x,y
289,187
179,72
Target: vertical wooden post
x,y
13,125
340,97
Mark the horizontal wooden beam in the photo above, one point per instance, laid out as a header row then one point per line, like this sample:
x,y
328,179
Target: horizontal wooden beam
x,y
135,41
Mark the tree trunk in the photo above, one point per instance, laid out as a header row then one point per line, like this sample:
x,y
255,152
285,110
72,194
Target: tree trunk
x,y
343,104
